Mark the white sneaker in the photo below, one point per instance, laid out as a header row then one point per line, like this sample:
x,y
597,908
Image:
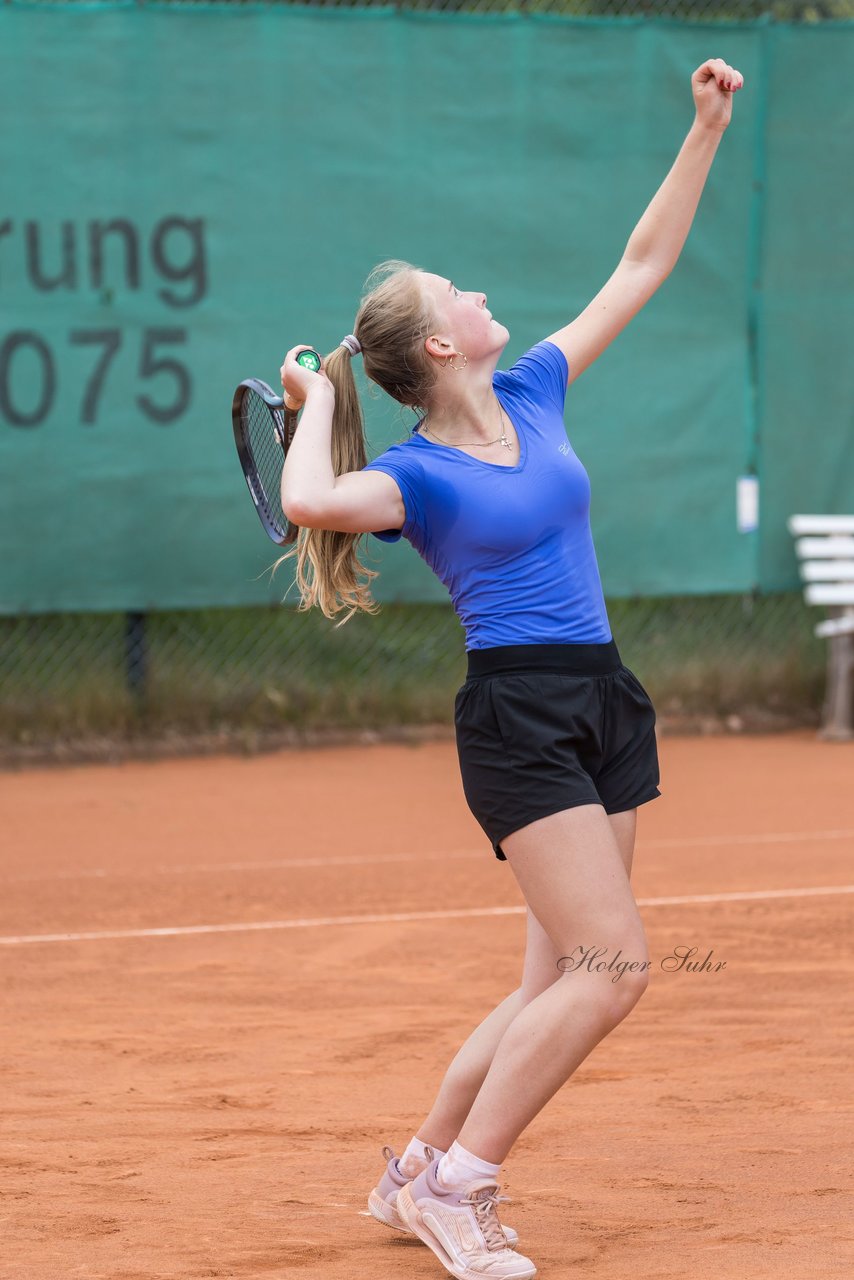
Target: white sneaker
x,y
383,1199
462,1227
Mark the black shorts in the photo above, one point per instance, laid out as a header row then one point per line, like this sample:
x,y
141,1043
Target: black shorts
x,y
544,727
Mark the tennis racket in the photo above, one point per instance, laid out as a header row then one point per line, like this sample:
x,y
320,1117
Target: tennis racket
x,y
264,426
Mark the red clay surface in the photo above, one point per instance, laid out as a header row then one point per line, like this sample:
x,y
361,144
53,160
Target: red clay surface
x,y
215,1103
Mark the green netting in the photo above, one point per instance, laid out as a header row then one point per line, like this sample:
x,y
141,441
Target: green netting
x,y
189,191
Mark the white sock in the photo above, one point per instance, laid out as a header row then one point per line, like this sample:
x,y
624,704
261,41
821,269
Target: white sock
x,y
459,1167
415,1151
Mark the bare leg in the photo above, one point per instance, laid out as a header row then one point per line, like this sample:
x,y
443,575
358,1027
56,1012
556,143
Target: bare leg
x,y
469,1067
466,1073
572,871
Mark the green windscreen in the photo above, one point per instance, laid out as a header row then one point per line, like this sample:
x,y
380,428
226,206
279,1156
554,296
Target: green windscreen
x,y
189,192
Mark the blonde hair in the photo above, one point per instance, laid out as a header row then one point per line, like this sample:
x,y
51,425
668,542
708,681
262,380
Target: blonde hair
x,y
393,319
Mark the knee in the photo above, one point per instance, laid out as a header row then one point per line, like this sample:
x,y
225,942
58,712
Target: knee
x,y
627,989
613,985
535,984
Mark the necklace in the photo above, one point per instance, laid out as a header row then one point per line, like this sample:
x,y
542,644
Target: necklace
x,y
479,443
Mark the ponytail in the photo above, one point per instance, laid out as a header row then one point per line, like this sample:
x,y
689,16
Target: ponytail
x,y
334,582
392,322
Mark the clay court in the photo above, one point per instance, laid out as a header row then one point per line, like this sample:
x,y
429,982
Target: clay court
x,y
229,982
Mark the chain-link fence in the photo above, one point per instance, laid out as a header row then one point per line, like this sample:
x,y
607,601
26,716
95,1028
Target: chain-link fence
x,y
97,684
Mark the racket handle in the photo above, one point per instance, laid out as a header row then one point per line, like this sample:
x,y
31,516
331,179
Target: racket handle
x,y
309,359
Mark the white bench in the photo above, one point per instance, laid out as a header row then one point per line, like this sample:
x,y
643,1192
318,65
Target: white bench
x,y
825,549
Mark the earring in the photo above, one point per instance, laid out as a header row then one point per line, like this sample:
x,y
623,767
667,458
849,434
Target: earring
x,y
458,367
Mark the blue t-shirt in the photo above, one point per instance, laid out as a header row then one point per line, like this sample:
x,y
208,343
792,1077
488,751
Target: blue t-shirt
x,y
512,544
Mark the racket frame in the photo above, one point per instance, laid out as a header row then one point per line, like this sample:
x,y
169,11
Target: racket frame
x,y
283,420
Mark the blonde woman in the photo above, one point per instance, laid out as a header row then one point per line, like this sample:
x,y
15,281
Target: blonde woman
x,y
555,736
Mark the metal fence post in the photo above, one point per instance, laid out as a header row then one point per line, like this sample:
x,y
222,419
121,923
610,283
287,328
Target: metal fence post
x,y
136,655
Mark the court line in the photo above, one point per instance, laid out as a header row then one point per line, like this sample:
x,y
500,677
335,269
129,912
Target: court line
x,y
278,864
396,917
285,864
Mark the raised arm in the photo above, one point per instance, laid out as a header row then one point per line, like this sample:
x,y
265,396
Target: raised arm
x,y
656,242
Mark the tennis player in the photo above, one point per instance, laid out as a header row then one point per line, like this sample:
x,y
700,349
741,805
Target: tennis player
x,y
555,735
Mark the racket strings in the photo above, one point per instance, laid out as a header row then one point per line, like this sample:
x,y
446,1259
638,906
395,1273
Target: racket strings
x,y
260,435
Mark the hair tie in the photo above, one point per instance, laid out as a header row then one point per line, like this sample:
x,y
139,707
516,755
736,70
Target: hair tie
x,y
352,343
